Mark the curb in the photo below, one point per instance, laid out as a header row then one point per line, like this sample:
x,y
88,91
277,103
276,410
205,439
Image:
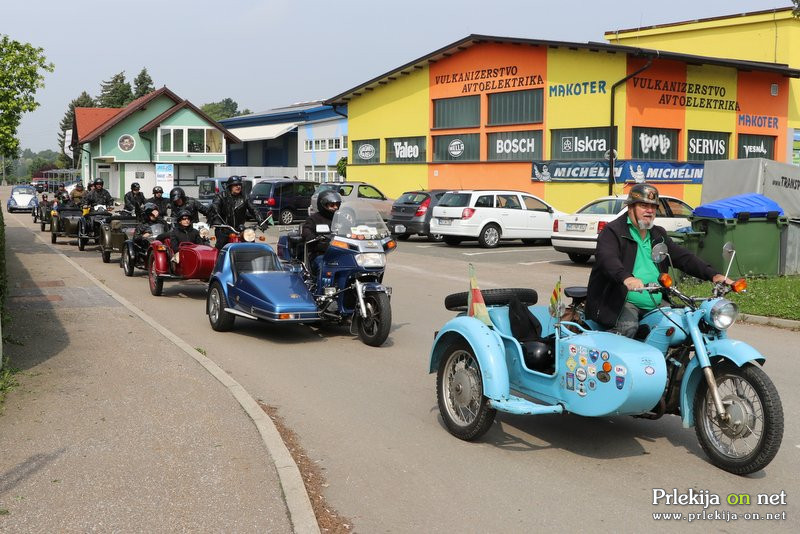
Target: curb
x,y
301,513
788,324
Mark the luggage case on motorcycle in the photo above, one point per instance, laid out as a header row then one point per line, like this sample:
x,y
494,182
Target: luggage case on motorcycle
x,y
197,261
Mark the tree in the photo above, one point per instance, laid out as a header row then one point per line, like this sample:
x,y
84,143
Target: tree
x,y
341,167
83,101
223,109
115,93
142,84
22,68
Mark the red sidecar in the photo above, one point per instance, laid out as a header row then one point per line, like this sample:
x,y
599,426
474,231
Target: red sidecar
x,y
195,263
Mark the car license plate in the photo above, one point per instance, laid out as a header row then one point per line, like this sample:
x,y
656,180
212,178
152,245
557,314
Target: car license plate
x,y
445,222
576,227
257,202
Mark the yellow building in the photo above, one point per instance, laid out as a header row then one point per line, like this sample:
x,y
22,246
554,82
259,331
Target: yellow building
x,y
771,36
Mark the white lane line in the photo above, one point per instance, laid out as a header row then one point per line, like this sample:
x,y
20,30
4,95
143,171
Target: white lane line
x,y
534,262
464,279
488,252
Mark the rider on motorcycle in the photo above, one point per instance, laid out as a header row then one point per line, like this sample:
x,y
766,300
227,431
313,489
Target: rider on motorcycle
x,y
134,199
152,216
98,195
180,202
623,264
159,200
183,232
231,208
77,194
327,203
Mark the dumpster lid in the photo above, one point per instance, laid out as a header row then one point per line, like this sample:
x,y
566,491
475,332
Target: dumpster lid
x,y
728,208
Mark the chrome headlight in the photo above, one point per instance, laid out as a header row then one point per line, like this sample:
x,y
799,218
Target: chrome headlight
x,y
204,233
371,259
723,314
249,235
12,201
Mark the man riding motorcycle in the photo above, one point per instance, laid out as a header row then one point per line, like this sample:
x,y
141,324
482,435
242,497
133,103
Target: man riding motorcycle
x,y
134,199
179,202
159,200
327,204
231,208
152,216
98,195
183,232
624,264
77,194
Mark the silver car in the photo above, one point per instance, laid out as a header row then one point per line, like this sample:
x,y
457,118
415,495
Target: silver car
x,y
356,191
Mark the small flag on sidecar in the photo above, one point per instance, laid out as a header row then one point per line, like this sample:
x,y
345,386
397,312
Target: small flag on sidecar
x,y
556,308
476,306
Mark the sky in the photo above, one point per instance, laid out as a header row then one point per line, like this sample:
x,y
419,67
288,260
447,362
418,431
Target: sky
x,y
270,53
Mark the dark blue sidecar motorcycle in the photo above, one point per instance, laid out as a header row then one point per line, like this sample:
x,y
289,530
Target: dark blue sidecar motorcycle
x,y
682,362
348,289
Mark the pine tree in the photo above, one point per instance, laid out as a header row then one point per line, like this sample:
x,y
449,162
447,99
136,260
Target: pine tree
x,y
143,84
115,93
83,101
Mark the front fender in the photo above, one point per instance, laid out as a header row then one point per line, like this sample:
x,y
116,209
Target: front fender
x,y
487,347
371,287
160,257
719,350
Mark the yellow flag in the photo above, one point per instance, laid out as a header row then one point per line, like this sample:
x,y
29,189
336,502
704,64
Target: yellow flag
x,y
476,307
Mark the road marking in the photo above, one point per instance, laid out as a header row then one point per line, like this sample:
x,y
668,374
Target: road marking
x,y
534,262
301,513
489,252
462,279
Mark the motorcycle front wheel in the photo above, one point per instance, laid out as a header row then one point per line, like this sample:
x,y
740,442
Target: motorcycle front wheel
x,y
752,435
374,328
127,262
459,391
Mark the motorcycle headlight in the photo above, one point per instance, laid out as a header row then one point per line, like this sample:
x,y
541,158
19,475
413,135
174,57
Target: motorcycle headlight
x,y
724,314
249,235
204,233
371,259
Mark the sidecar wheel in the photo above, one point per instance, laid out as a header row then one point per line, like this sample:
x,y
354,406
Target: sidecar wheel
x,y
221,321
156,282
106,256
41,226
53,236
82,243
753,436
127,262
459,391
374,330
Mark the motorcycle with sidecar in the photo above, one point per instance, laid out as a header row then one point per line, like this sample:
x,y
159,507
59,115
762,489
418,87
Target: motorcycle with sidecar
x,y
136,251
190,262
65,219
681,362
89,226
115,231
43,212
348,287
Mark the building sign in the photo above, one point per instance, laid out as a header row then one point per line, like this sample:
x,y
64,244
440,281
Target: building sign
x,y
580,143
758,121
624,171
515,146
165,175
756,146
577,88
68,143
687,95
655,143
405,149
459,147
126,143
366,151
704,146
491,79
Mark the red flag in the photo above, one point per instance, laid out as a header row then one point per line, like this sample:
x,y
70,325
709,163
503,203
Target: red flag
x,y
476,306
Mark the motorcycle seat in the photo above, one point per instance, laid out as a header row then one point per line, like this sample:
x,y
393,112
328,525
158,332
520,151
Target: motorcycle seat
x,y
576,292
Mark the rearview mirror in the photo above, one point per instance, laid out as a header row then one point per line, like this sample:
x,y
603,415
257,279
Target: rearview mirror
x,y
323,229
727,251
659,252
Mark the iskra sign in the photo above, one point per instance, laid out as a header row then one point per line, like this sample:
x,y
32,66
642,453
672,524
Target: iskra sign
x,y
582,144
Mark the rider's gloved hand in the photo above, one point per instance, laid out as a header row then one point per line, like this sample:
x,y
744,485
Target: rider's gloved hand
x,y
633,283
721,278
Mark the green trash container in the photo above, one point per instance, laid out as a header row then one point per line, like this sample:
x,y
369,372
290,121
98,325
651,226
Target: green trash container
x,y
752,222
688,240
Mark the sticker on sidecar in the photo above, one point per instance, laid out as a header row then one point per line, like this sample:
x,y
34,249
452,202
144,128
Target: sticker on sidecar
x,y
620,382
593,355
583,361
581,389
602,376
620,370
580,374
571,364
604,356
591,370
570,381
573,350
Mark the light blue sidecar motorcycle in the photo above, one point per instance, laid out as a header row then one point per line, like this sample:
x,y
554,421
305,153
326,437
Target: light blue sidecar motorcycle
x,y
530,363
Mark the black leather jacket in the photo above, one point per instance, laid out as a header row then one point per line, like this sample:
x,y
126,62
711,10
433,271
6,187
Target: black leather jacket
x,y
162,203
179,235
614,260
95,197
309,232
192,206
134,201
233,210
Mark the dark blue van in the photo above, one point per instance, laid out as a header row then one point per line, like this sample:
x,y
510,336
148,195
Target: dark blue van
x,y
288,199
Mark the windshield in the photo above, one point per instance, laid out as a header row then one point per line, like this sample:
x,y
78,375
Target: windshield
x,y
207,187
255,261
157,229
455,200
23,191
412,198
358,220
610,206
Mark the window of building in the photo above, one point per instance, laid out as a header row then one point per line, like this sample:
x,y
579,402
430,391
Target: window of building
x,y
516,107
459,112
704,146
344,142
308,145
308,173
660,144
334,143
405,149
366,151
460,147
579,143
515,146
171,140
756,146
198,140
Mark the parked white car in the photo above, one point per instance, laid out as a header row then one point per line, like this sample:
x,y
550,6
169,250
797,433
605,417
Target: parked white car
x,y
356,191
492,216
576,234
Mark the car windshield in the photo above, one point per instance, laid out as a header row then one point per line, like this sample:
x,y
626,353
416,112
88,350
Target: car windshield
x,y
412,198
27,190
610,206
207,187
358,220
255,261
455,200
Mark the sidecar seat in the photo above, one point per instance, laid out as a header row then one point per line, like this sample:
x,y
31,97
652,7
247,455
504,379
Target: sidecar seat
x,y
527,330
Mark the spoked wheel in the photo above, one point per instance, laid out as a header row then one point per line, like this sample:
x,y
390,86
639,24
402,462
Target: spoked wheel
x,y
374,329
220,320
489,236
752,435
127,262
82,243
459,390
156,282
106,254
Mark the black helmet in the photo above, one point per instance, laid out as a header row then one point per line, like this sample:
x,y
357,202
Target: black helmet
x,y
135,186
184,213
233,180
63,195
98,181
60,185
642,193
79,186
149,207
158,189
177,193
328,197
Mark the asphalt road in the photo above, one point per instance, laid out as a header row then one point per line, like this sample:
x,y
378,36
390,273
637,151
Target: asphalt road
x,y
369,417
